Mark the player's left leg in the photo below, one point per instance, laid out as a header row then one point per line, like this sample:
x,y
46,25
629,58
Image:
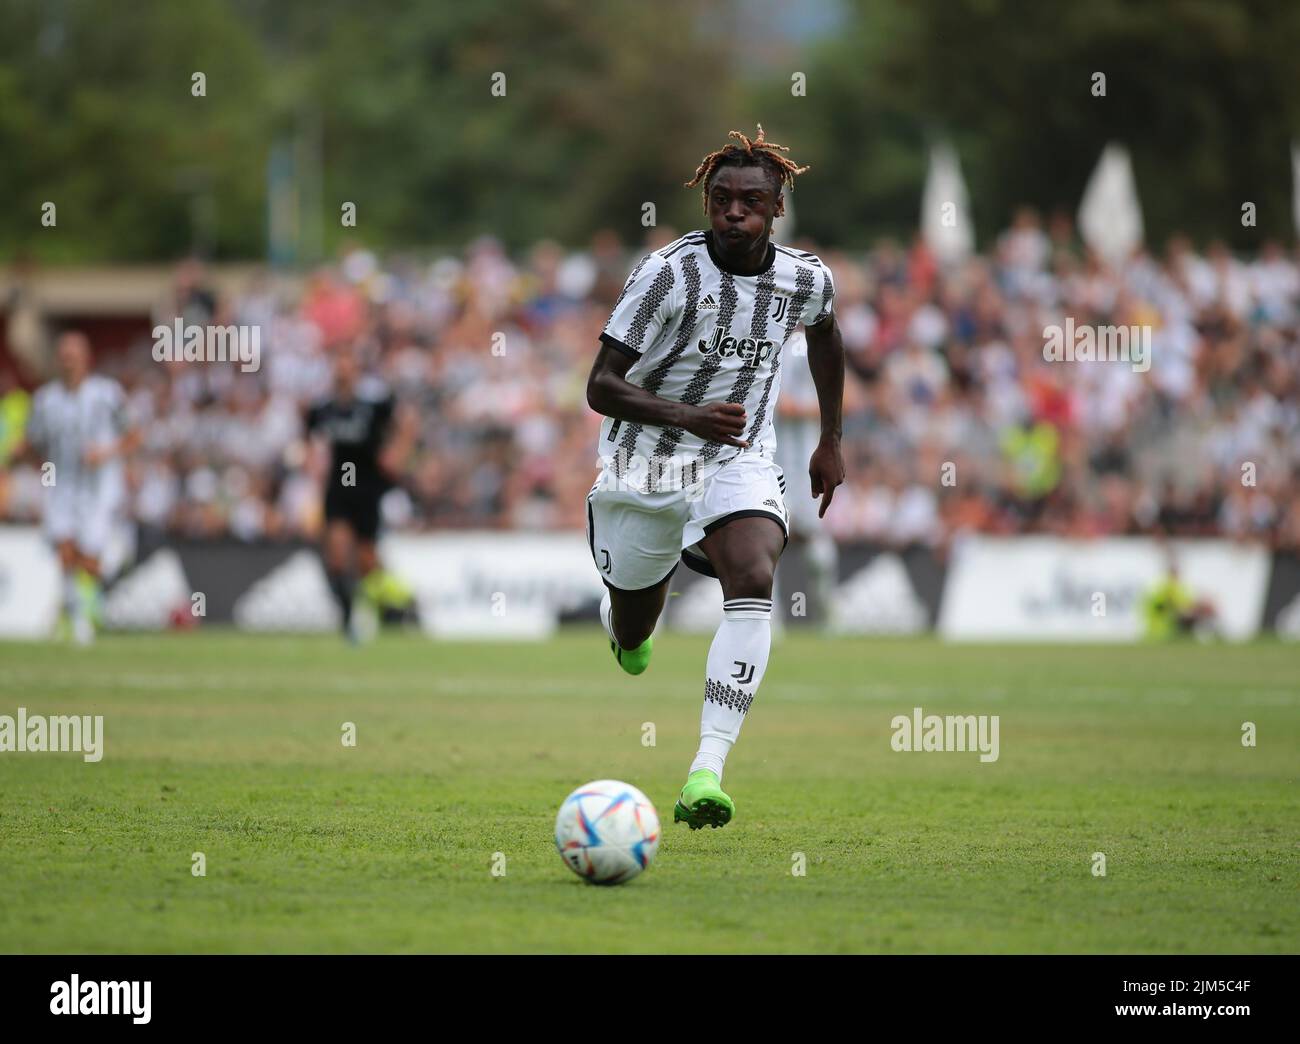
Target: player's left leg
x,y
60,523
743,552
90,584
635,539
382,589
367,556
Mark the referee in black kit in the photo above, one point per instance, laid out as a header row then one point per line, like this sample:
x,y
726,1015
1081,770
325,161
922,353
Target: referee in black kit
x,y
369,439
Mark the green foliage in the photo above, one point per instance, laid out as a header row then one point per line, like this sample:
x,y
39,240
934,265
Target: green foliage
x,y
601,113
96,115
1201,93
611,105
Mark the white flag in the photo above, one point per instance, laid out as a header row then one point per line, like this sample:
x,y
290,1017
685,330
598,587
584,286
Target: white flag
x,y
1110,216
945,208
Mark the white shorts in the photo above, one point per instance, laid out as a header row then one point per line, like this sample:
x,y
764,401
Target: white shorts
x,y
83,512
638,539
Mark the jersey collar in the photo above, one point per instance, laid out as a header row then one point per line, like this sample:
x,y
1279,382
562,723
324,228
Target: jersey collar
x,y
717,260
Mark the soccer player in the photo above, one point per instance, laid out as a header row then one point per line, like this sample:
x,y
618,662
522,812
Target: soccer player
x,y
687,377
369,439
79,423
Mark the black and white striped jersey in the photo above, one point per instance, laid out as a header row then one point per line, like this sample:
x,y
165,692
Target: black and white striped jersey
x,y
699,334
66,423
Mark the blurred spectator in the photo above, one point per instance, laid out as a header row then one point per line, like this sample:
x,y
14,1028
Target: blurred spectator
x,y
947,367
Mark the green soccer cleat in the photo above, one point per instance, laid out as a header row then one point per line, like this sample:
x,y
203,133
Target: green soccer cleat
x,y
634,661
703,803
92,597
385,590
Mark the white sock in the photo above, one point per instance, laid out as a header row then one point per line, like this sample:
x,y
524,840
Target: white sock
x,y
607,616
737,660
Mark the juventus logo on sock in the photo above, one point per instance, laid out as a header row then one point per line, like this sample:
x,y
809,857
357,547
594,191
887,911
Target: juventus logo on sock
x,y
732,676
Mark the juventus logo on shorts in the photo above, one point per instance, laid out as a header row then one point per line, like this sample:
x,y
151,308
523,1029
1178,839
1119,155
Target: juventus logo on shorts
x,y
606,565
745,673
779,313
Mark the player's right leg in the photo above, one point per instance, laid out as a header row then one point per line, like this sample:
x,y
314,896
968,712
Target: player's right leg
x,y
337,551
635,541
382,589
636,613
61,520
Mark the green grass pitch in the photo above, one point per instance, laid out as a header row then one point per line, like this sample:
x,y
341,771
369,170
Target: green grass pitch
x,y
231,746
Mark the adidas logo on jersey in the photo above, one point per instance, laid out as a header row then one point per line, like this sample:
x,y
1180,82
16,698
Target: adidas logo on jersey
x,y
749,350
708,304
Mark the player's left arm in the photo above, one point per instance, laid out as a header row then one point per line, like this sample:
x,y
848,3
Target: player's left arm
x,y
129,438
404,429
826,361
127,443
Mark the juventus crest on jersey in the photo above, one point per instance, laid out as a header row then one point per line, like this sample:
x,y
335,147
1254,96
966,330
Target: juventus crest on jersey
x,y
701,333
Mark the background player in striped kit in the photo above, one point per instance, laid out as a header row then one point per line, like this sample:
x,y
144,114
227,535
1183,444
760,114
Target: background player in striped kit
x,y
688,376
79,423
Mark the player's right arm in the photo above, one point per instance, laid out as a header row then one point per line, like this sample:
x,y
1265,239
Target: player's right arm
x,y
609,392
641,312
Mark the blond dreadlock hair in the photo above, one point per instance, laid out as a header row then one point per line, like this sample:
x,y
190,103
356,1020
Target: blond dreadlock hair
x,y
750,152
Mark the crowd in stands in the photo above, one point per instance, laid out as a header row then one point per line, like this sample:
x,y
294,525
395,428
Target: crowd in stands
x,y
955,421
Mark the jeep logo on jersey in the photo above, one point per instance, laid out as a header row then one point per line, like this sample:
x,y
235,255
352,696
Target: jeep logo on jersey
x,y
751,351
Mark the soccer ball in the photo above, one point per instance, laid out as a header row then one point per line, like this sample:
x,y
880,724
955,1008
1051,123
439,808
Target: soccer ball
x,y
607,832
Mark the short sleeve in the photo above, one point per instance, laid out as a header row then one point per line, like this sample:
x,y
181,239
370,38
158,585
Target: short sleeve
x,y
819,305
643,308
